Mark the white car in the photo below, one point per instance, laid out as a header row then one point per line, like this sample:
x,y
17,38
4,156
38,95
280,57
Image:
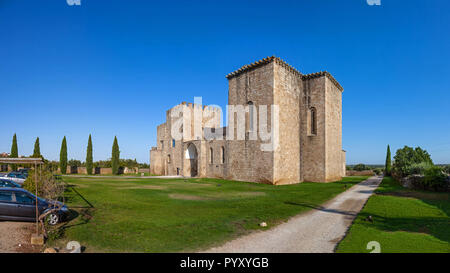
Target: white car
x,y
15,177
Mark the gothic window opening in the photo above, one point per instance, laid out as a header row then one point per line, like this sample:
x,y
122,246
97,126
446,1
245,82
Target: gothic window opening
x,y
313,120
211,156
251,115
223,154
168,159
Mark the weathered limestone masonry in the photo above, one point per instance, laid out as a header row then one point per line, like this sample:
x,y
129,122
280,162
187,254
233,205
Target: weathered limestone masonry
x,y
309,132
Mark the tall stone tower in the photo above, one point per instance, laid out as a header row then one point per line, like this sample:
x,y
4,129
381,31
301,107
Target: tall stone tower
x,y
310,124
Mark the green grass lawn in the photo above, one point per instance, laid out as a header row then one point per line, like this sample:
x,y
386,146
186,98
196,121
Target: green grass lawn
x,y
172,215
403,221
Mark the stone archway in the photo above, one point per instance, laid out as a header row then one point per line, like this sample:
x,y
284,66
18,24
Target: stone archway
x,y
191,161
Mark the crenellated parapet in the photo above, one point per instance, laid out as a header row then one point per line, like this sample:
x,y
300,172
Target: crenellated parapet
x,y
287,66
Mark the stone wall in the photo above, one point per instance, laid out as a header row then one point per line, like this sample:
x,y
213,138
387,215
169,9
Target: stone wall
x,y
313,146
333,131
215,166
246,161
288,87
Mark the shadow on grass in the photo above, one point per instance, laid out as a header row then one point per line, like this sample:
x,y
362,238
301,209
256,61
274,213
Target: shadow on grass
x,y
78,215
434,226
321,208
70,198
437,227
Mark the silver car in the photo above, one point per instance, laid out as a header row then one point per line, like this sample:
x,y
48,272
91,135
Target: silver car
x,y
15,177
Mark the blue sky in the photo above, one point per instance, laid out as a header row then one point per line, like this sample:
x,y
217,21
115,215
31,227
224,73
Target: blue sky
x,y
114,67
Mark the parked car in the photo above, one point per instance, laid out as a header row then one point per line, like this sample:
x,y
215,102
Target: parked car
x,y
18,204
16,177
23,171
5,183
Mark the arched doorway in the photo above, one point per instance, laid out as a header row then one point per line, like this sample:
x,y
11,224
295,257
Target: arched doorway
x,y
191,160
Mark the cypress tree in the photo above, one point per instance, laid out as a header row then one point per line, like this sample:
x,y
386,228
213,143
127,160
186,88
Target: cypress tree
x,y
89,163
63,156
388,161
115,157
37,149
14,151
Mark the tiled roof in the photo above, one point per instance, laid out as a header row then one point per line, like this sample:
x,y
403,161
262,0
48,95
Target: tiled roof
x,y
287,66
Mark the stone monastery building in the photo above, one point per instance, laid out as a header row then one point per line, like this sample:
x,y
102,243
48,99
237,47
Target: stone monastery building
x,y
309,134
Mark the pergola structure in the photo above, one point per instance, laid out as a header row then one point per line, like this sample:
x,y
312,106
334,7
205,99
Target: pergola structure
x,y
32,161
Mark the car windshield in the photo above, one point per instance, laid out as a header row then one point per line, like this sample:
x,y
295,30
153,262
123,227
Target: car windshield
x,y
39,198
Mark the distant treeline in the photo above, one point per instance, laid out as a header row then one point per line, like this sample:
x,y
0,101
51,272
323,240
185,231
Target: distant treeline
x,y
364,167
129,163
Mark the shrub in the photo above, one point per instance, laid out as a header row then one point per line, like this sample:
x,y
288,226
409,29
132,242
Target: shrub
x,y
418,168
435,179
48,186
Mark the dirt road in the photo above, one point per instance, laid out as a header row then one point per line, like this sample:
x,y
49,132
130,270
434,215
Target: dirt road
x,y
16,237
319,230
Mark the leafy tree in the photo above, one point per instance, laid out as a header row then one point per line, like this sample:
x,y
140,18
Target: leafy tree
x,y
89,163
37,149
408,156
421,155
115,157
63,156
388,161
102,164
361,167
74,163
14,151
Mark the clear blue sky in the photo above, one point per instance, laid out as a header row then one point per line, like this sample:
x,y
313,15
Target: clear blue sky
x,y
114,68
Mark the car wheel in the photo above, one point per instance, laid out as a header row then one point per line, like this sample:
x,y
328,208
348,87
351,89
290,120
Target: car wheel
x,y
53,219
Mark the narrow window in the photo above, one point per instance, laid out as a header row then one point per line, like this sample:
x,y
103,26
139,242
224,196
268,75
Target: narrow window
x,y
211,156
251,115
173,142
313,121
223,155
168,158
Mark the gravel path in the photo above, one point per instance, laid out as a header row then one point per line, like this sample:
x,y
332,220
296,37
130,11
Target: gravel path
x,y
16,237
319,230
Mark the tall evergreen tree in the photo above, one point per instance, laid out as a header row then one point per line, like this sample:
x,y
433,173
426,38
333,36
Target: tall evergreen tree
x,y
89,163
14,151
388,161
37,149
63,156
115,157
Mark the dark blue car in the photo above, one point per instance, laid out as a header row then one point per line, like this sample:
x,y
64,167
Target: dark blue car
x,y
18,204
4,183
